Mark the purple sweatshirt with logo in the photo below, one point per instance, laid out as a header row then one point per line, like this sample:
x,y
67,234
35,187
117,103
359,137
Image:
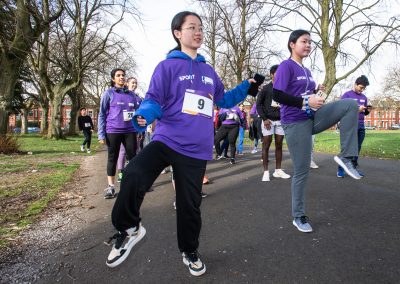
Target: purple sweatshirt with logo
x,y
294,79
112,106
183,129
233,115
361,100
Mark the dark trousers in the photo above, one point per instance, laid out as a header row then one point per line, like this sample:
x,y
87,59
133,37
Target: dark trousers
x,y
114,141
140,174
88,138
227,130
360,136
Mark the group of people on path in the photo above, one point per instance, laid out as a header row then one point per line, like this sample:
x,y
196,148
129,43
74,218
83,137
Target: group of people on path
x,y
181,97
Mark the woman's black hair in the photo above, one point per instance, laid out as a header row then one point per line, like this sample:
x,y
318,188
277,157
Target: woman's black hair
x,y
113,75
177,23
362,80
294,36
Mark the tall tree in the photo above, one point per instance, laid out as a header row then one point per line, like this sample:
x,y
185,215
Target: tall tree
x,y
21,23
84,33
237,34
346,32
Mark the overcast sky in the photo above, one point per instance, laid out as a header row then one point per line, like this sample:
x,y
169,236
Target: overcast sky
x,y
152,42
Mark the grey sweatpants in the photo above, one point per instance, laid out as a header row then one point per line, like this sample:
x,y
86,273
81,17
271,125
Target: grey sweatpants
x,y
299,141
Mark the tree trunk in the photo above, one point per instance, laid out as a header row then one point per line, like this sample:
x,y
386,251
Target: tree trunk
x,y
24,121
44,122
8,78
75,95
55,131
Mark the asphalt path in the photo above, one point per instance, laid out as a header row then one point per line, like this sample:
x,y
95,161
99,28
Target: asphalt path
x,y
247,234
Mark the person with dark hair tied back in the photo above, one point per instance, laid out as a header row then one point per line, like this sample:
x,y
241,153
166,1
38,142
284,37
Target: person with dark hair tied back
x,y
117,107
364,109
85,124
304,113
269,112
181,95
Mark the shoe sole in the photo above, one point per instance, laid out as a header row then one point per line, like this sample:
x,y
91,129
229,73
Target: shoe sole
x,y
301,230
340,163
110,197
276,176
194,273
131,243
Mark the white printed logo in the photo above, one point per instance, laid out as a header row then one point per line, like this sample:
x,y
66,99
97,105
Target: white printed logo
x,y
206,80
186,77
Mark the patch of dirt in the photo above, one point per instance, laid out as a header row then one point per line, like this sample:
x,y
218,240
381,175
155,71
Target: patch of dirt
x,y
23,261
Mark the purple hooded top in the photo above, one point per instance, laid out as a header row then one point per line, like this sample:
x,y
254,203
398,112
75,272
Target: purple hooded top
x,y
361,100
234,115
181,95
294,79
114,102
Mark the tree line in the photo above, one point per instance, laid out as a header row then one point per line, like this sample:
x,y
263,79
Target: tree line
x,y
53,49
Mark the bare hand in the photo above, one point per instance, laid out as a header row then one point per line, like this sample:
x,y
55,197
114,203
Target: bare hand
x,y
251,80
102,141
141,121
362,108
315,102
267,124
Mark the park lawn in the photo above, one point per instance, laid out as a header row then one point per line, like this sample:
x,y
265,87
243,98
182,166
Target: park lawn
x,y
383,144
31,180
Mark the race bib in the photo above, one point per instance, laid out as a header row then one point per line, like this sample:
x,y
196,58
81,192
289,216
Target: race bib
x,y
87,124
198,103
128,115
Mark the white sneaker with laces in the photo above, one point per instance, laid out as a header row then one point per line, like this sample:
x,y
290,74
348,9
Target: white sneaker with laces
x,y
266,176
279,173
313,165
124,242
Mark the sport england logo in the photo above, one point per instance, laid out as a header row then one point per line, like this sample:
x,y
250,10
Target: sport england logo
x,y
186,77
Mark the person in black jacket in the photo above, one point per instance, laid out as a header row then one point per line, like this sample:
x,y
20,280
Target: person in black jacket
x,y
85,125
269,111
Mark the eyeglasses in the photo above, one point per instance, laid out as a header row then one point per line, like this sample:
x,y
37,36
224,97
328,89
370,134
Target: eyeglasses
x,y
194,29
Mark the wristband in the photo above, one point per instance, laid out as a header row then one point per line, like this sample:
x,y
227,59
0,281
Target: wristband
x,y
309,112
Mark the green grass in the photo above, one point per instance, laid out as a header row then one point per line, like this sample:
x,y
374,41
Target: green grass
x,y
377,144
30,181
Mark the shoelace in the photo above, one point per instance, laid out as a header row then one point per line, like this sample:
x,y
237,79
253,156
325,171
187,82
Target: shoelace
x,y
119,239
304,219
194,256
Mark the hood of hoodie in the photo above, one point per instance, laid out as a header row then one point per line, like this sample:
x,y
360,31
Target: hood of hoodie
x,y
182,55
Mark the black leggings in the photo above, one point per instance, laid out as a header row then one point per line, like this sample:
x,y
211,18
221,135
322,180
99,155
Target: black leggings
x,y
140,174
114,141
230,130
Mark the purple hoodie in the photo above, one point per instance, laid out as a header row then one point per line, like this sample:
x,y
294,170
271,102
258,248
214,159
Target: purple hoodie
x,y
232,119
296,80
181,95
361,100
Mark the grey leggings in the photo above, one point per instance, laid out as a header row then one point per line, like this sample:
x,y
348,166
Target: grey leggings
x,y
299,141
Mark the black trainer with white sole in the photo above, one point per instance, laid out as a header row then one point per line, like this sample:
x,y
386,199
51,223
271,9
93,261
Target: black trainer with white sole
x,y
193,261
124,242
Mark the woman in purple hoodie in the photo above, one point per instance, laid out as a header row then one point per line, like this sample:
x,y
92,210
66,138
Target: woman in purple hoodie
x,y
181,95
304,113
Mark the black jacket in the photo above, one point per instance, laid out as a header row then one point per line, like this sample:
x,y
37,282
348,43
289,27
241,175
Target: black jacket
x,y
82,122
264,108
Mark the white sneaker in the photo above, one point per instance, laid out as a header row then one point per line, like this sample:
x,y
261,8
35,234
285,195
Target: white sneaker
x,y
254,151
124,242
82,148
279,173
313,165
88,151
266,176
